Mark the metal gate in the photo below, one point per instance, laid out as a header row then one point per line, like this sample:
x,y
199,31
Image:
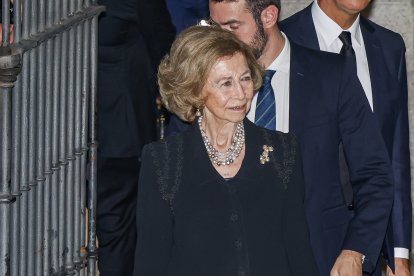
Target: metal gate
x,y
47,132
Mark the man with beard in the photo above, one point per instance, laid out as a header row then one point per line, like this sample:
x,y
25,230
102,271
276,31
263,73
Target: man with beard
x,y
318,97
380,62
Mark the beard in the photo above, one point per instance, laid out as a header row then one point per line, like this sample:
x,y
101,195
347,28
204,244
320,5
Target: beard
x,y
259,41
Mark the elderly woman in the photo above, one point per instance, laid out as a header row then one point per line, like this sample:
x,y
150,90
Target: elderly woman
x,y
224,198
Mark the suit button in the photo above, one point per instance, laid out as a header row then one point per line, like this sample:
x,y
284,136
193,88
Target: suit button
x,y
238,244
234,217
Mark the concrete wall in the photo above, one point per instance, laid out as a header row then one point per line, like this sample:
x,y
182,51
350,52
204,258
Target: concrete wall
x,y
397,15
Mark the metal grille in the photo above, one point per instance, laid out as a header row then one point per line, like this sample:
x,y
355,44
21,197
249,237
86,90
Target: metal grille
x,y
47,131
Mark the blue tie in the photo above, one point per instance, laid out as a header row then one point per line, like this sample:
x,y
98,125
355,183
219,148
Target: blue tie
x,y
265,107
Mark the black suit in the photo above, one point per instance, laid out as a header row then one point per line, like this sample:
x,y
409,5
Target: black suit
x,y
193,222
133,37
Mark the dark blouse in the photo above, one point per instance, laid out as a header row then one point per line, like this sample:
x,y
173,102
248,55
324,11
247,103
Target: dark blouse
x,y
193,222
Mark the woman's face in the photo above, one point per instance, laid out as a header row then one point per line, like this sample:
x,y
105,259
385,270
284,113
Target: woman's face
x,y
228,91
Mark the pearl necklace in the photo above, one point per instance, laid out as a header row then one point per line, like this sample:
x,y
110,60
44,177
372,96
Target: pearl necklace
x,y
227,157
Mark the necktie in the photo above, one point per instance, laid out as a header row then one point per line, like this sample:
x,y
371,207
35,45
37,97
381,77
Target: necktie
x,y
346,49
265,107
349,52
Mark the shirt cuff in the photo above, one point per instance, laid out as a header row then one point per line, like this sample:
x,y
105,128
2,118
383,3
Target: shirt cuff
x,y
400,252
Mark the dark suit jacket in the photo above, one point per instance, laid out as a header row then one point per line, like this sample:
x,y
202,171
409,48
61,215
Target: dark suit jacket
x,y
193,222
386,60
327,106
185,13
133,37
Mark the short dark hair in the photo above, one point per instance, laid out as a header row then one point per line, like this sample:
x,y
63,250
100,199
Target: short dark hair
x,y
255,6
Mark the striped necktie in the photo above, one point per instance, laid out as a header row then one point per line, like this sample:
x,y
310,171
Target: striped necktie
x,y
265,108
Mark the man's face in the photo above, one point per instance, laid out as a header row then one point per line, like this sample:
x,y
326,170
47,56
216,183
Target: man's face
x,y
235,17
350,6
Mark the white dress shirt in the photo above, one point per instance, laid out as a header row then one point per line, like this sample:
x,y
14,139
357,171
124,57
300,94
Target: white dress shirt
x,y
328,31
280,84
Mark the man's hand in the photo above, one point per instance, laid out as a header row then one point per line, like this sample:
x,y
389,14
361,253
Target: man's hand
x,y
402,268
348,263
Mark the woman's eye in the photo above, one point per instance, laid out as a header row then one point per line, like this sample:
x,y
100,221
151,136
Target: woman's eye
x,y
227,83
246,78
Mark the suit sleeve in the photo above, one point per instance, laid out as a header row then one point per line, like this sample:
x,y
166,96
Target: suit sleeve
x,y
157,28
176,126
370,170
295,228
402,213
154,223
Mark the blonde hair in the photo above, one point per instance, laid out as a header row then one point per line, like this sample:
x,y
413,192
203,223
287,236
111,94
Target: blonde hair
x,y
183,73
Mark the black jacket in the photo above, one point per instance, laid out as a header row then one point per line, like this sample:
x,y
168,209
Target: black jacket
x,y
193,222
134,35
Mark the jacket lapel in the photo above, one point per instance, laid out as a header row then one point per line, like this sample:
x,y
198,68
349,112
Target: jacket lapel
x,y
196,156
253,148
308,34
305,34
297,101
376,64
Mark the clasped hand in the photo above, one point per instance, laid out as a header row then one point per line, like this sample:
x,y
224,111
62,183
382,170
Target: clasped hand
x,y
348,263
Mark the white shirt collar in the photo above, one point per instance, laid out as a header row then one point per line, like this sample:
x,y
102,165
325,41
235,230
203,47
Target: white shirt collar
x,y
282,62
330,30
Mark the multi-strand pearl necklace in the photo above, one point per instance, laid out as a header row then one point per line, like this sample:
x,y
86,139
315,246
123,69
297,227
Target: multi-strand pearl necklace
x,y
224,158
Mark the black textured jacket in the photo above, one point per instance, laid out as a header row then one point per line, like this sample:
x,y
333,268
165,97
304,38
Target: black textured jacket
x,y
192,222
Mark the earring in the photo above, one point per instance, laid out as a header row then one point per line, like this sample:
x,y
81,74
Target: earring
x,y
198,112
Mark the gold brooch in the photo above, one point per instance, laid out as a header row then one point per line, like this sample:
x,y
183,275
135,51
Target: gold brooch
x,y
264,157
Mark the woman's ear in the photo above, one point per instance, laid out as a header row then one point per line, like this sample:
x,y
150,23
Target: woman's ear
x,y
269,16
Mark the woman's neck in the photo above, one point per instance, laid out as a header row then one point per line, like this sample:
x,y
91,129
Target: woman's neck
x,y
220,134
